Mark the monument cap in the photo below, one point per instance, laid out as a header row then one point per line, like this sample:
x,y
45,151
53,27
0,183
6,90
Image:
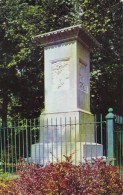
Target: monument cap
x,y
77,32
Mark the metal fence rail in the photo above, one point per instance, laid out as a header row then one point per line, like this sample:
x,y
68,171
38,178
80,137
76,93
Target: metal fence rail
x,y
54,139
118,142
41,141
16,141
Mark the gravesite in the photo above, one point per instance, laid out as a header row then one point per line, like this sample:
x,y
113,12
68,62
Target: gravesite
x,y
61,86
67,95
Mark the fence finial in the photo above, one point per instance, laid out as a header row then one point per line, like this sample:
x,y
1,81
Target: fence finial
x,y
110,110
110,115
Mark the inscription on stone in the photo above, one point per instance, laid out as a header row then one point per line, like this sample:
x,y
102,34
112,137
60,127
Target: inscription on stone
x,y
60,74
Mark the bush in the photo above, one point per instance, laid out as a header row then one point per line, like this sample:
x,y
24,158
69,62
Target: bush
x,y
65,178
5,180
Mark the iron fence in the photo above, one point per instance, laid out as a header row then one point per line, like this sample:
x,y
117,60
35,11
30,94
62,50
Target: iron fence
x,y
40,141
55,139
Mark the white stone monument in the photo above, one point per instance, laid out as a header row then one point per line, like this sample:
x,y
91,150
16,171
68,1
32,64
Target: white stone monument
x,y
67,122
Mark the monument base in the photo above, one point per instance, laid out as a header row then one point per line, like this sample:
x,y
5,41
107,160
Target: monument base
x,y
42,153
66,134
69,126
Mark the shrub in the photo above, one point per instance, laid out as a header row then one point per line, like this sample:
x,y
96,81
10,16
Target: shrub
x,y
65,178
5,180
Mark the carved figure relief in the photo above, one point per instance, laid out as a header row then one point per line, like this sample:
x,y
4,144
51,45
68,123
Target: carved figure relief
x,y
83,77
60,74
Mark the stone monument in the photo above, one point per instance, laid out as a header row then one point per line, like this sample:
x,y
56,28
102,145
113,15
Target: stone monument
x,y
67,122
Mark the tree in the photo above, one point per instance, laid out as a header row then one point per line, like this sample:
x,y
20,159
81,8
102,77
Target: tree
x,y
18,56
20,21
104,21
22,61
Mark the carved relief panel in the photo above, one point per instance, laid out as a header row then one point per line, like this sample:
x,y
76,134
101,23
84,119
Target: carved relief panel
x,y
60,74
83,77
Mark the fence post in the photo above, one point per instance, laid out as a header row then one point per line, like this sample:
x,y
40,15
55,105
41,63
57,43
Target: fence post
x,y
110,135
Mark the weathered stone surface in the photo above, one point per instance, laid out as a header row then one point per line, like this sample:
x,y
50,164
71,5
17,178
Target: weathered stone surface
x,y
43,153
68,125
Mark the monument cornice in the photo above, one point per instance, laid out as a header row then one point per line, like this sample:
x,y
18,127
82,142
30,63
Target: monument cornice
x,y
77,32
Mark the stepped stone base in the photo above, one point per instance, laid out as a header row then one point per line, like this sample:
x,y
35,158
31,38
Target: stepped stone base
x,y
43,153
65,134
74,126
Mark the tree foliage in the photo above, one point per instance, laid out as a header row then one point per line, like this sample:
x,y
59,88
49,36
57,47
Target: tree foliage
x,y
19,54
104,20
21,61
20,21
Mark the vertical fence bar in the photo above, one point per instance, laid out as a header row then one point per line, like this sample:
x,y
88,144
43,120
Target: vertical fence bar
x,y
4,134
120,139
8,154
96,128
38,128
27,153
80,137
15,146
61,136
70,136
85,130
122,152
76,140
30,124
23,142
12,150
35,143
38,134
19,138
1,148
56,130
42,127
52,128
101,126
65,137
110,135
47,141
91,130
